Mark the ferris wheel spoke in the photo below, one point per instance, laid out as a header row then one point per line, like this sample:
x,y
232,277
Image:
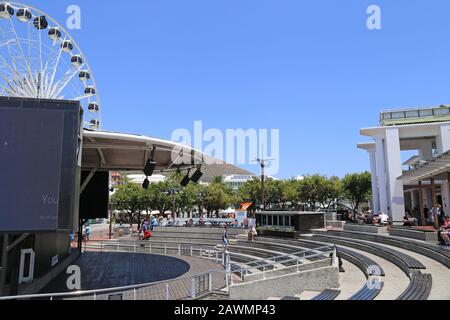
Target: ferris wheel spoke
x,y
21,56
53,63
61,85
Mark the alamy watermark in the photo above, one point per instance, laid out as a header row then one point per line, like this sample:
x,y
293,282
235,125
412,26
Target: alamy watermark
x,y
374,19
233,146
73,22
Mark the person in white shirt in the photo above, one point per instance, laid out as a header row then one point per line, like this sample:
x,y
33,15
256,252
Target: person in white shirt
x,y
384,218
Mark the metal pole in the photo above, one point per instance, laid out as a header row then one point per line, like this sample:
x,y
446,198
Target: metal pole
x,y
4,264
210,282
110,221
421,205
165,248
167,292
435,204
134,294
193,288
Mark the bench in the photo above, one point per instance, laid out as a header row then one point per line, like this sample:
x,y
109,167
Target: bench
x,y
367,265
404,261
327,295
419,288
369,292
289,298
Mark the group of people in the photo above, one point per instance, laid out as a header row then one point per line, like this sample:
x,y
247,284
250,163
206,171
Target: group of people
x,y
252,233
146,228
377,219
444,232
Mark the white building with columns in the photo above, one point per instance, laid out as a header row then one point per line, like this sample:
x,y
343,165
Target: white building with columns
x,y
424,131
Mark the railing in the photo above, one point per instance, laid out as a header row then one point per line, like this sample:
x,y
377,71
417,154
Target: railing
x,y
193,286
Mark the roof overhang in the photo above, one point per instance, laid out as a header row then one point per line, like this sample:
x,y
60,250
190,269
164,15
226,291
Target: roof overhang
x,y
407,131
430,169
110,151
368,146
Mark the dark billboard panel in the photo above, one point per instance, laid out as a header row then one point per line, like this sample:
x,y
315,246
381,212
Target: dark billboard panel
x,y
94,200
38,159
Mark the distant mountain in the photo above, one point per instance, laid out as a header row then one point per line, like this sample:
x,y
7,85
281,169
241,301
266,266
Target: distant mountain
x,y
214,170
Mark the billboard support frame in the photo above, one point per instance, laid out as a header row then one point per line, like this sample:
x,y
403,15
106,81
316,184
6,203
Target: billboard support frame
x,y
4,263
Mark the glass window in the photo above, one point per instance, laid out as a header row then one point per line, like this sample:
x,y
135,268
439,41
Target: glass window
x,y
264,220
426,113
269,220
441,112
412,114
386,116
282,222
398,115
275,220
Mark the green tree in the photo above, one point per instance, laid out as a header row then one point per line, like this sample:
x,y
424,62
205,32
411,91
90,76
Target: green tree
x,y
357,188
218,196
130,198
317,189
250,191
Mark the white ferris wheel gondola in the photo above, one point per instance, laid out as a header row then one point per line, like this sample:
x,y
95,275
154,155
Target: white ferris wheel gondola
x,y
6,10
24,15
40,59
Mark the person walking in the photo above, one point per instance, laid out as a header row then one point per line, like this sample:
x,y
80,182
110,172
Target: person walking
x,y
225,239
88,232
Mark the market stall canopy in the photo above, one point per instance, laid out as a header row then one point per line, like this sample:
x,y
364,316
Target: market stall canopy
x,y
110,151
427,170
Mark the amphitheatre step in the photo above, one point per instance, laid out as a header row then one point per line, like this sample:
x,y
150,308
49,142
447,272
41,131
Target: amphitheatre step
x,y
421,247
404,261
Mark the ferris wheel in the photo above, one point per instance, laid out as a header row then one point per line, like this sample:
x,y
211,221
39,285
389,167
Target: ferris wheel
x,y
39,59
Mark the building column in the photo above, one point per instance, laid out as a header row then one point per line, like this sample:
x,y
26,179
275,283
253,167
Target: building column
x,y
396,198
443,139
434,201
422,205
381,174
426,150
375,192
445,191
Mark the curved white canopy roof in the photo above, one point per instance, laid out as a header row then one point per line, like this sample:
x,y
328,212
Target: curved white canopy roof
x,y
113,151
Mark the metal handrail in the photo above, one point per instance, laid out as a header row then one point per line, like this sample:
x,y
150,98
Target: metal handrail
x,y
225,259
108,290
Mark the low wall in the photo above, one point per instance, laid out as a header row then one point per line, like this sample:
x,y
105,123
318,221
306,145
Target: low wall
x,y
365,228
414,234
288,270
205,230
287,285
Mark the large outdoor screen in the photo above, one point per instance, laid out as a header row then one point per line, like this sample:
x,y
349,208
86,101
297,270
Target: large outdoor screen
x,y
38,156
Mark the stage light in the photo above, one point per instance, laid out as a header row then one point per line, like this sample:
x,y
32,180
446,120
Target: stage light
x,y
185,181
149,168
146,184
197,176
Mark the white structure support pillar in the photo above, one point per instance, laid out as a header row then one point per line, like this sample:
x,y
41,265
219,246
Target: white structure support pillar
x,y
443,139
426,150
381,174
393,163
373,170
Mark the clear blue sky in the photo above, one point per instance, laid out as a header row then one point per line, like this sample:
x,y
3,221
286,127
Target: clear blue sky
x,y
310,68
